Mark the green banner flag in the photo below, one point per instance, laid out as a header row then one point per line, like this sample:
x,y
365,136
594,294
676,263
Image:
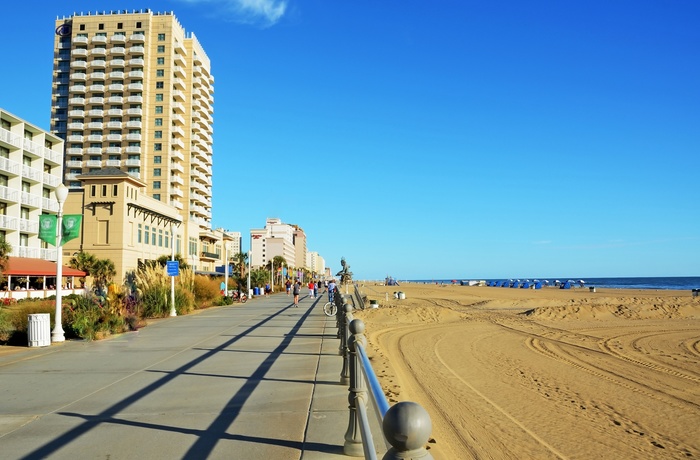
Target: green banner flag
x,y
47,228
71,227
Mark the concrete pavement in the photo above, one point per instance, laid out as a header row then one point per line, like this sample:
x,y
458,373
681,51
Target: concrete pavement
x,y
250,381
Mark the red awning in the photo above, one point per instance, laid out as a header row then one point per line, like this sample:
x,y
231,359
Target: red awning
x,y
24,266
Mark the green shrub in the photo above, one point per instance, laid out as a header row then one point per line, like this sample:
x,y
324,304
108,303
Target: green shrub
x,y
206,290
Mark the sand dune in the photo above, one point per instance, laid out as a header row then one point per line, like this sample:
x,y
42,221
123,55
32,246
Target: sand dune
x,y
514,373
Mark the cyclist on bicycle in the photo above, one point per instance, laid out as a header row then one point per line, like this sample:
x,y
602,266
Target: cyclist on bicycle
x,y
331,290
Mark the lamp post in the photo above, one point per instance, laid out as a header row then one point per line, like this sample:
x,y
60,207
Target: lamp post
x,y
61,195
173,312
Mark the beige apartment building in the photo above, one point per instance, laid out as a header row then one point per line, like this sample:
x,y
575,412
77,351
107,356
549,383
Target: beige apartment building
x,y
134,91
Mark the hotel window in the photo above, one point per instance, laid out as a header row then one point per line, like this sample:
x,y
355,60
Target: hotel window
x,y
157,159
159,122
157,147
138,234
4,153
158,134
156,196
160,73
159,97
82,27
160,237
120,25
156,184
23,240
115,190
161,48
104,190
161,37
153,237
160,61
147,234
159,85
93,190
159,109
138,25
167,240
26,187
24,213
156,172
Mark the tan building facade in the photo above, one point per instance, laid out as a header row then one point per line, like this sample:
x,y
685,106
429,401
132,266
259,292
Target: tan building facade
x,y
134,91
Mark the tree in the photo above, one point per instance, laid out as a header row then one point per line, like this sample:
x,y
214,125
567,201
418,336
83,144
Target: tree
x,y
276,263
5,250
83,261
103,271
178,257
240,260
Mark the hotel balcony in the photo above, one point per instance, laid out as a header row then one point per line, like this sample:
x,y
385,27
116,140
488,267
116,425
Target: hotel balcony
x,y
177,180
178,106
113,163
134,111
30,200
78,126
176,167
177,155
28,226
137,61
117,62
134,124
51,180
99,39
78,76
9,166
177,192
96,113
114,138
95,138
79,52
98,63
133,137
72,176
132,162
79,65
115,100
74,164
178,95
177,143
8,194
116,87
98,52
78,89
135,87
74,151
116,74
80,40
135,99
137,49
136,74
93,163
75,138
76,113
8,223
135,174
118,50
179,60
97,75
115,112
76,101
118,38
33,174
49,203
114,124
176,204
97,88
133,149
113,150
95,124
178,71
137,38
209,256
178,83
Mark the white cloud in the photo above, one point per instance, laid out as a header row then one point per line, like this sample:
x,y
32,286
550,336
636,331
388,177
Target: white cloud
x,y
250,11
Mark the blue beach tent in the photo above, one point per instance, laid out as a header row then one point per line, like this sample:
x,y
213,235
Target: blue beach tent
x,y
566,285
538,285
526,285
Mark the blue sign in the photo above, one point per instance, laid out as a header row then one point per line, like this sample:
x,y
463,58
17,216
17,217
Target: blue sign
x,y
173,267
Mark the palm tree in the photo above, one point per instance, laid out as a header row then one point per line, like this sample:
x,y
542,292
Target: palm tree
x,y
240,260
5,250
103,271
83,261
178,257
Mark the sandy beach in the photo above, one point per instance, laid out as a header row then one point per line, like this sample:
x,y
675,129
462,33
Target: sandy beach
x,y
539,374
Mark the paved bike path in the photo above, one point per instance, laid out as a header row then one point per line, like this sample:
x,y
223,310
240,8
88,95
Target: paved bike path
x,y
252,381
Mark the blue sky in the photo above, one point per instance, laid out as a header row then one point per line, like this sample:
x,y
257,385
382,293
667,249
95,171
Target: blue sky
x,y
449,139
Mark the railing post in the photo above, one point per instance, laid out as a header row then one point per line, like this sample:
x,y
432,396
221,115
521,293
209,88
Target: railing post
x,y
357,392
345,351
407,428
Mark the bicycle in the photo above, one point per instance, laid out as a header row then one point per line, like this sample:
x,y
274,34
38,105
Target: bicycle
x,y
330,309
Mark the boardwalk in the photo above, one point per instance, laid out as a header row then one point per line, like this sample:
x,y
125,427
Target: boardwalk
x,y
251,381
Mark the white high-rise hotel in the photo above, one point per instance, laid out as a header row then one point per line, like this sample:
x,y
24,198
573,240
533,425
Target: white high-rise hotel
x,y
133,90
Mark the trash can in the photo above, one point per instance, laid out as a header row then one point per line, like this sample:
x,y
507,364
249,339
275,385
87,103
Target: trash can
x,y
256,291
39,330
402,295
591,288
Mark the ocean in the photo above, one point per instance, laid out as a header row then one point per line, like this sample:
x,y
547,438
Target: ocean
x,y
672,282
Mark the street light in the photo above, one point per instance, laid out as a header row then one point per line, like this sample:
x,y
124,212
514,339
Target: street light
x,y
61,195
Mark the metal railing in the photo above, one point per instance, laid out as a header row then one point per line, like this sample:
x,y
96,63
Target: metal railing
x,y
406,426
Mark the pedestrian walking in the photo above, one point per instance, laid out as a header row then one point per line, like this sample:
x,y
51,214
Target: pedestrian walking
x,y
288,285
296,290
311,289
315,289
